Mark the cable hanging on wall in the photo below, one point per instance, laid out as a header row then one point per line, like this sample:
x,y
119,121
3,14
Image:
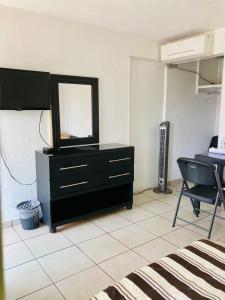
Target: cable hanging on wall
x,y
10,172
7,167
40,129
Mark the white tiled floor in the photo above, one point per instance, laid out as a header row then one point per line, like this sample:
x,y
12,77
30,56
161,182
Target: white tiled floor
x,y
102,248
64,263
87,256
155,249
126,236
123,264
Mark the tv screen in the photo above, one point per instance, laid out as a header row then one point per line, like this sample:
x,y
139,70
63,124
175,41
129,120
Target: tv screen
x,y
24,90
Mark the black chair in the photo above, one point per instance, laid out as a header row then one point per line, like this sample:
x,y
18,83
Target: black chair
x,y
207,187
214,142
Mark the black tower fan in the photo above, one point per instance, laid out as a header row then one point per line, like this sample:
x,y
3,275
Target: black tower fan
x,y
164,130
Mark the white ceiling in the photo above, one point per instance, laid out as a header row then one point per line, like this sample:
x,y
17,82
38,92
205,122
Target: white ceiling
x,y
156,19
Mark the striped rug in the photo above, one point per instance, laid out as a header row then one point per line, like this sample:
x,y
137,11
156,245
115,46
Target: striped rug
x,y
194,272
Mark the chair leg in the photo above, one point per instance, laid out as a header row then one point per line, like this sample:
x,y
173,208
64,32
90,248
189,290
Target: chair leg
x,y
213,217
196,206
177,208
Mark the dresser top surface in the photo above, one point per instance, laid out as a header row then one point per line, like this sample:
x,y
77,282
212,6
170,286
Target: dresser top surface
x,y
85,149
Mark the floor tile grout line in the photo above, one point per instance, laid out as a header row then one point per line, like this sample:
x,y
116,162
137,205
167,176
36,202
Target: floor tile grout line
x,y
162,233
6,245
44,234
32,255
150,242
97,264
64,297
40,265
94,265
143,243
71,275
49,277
43,271
142,193
168,241
149,197
155,215
132,222
19,265
161,236
75,244
201,233
113,231
37,258
157,236
22,239
139,220
29,294
25,239
139,254
55,251
129,249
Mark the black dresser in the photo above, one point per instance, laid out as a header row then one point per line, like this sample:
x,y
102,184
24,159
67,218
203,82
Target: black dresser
x,y
80,181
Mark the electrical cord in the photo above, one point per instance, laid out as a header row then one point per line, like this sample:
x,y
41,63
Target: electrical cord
x,y
40,130
194,72
7,167
11,175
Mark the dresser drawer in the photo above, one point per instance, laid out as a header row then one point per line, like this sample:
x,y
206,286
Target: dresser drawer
x,y
120,158
73,165
73,184
117,175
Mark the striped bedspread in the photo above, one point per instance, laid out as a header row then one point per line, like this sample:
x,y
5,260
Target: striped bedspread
x,y
194,272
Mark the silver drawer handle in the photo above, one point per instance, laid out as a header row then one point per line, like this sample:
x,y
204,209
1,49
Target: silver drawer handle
x,y
114,176
73,167
120,159
74,184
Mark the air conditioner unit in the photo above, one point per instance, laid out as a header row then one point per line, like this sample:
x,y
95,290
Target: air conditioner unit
x,y
190,49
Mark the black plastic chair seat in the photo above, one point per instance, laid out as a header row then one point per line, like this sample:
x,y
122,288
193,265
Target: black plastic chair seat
x,y
202,193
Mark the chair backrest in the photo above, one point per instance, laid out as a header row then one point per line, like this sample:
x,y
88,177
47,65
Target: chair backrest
x,y
197,172
214,142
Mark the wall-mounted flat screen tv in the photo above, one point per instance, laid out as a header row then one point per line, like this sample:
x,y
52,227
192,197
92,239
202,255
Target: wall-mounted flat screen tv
x,y
24,90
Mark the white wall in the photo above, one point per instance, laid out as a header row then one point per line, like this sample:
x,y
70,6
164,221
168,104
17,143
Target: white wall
x,y
219,41
192,117
222,110
39,42
219,49
145,115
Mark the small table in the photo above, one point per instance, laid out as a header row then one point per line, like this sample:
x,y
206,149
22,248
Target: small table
x,y
213,158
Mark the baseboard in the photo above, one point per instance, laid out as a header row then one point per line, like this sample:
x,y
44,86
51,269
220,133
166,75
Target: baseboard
x,y
10,223
175,181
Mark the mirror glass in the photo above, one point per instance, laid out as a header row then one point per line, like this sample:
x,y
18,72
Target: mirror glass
x,y
75,108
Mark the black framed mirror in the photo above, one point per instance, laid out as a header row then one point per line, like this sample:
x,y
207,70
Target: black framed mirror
x,y
75,112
